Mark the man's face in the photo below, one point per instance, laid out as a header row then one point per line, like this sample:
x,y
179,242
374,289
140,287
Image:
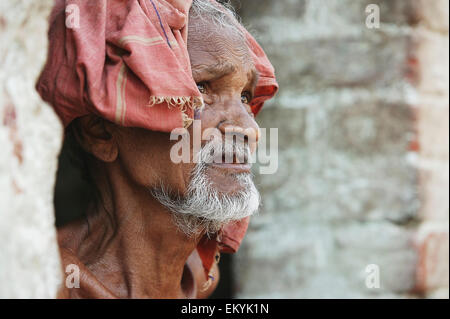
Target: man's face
x,y
225,75
224,72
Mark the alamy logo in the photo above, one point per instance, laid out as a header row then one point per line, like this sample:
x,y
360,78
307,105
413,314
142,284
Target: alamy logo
x,y
73,276
231,147
72,16
373,276
373,16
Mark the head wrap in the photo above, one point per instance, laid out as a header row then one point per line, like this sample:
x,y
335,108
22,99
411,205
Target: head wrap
x,y
127,61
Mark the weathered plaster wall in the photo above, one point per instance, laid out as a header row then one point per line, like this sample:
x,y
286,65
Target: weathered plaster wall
x,y
363,169
30,137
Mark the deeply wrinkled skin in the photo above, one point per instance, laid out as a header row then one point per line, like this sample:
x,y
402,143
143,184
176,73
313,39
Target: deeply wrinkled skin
x,y
129,247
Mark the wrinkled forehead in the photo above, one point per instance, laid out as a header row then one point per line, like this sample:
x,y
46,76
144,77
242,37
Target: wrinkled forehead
x,y
209,44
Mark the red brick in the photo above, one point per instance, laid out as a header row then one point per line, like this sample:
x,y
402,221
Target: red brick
x,y
433,250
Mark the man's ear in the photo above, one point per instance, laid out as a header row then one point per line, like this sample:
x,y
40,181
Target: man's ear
x,y
94,134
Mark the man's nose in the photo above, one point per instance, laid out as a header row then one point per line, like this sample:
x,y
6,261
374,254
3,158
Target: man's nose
x,y
243,127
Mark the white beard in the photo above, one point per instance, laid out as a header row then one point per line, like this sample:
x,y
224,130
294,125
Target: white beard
x,y
204,207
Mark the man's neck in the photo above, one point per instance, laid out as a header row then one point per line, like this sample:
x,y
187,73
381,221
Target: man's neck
x,y
130,242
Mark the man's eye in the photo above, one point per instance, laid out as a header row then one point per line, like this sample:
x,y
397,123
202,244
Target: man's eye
x,y
246,98
202,87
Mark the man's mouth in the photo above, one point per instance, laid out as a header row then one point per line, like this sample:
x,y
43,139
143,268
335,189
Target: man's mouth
x,y
233,167
232,163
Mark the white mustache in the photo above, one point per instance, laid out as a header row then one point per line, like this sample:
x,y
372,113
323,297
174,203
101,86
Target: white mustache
x,y
228,152
204,207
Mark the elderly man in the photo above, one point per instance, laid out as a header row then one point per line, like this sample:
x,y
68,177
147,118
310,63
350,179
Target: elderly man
x,y
131,72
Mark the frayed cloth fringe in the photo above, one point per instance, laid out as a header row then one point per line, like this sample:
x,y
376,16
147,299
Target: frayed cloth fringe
x,y
187,121
182,102
178,101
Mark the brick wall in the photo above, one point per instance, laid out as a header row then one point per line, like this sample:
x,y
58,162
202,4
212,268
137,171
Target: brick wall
x,y
363,151
432,126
